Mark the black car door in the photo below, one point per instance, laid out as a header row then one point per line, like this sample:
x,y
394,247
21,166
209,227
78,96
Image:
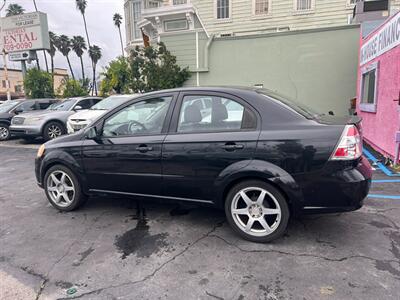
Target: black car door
x,y
126,158
211,135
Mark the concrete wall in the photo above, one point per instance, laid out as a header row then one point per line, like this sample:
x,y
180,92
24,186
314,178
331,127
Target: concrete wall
x,y
315,67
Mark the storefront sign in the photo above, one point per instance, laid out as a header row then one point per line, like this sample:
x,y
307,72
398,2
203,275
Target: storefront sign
x,y
381,41
25,32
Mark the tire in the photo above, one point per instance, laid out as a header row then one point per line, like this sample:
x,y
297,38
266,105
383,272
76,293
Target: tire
x,y
53,130
256,218
63,189
4,132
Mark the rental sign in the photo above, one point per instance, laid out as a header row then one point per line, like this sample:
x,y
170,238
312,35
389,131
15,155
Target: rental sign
x,y
25,32
382,41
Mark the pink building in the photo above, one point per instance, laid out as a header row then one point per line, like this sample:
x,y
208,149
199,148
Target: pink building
x,y
378,91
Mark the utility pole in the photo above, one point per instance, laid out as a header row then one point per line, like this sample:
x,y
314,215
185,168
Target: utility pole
x,y
5,61
6,75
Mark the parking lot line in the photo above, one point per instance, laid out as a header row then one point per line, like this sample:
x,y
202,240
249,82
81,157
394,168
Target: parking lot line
x,y
394,197
385,180
380,165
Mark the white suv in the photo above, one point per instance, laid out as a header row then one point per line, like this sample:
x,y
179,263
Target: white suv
x,y
83,118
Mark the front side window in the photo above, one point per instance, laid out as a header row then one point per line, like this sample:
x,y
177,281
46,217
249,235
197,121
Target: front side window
x,y
223,9
85,104
44,104
26,106
213,114
303,5
261,7
142,118
62,106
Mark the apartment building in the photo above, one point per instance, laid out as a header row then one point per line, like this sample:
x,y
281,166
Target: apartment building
x,y
237,17
305,49
16,82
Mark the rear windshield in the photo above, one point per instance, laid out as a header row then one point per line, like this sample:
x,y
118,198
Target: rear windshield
x,y
110,102
7,106
300,108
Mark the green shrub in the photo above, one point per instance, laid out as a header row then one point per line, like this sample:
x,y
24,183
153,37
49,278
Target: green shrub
x,y
38,84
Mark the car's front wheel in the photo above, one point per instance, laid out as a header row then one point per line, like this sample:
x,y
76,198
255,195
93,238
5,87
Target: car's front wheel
x,y
257,211
53,130
63,189
4,132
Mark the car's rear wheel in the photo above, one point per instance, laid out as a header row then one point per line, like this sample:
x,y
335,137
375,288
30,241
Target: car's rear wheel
x,y
4,132
53,130
63,189
257,211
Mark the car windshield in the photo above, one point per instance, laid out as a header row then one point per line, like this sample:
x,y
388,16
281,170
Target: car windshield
x,y
110,102
294,105
7,106
63,106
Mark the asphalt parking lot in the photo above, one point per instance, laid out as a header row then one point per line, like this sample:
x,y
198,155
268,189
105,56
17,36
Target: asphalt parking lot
x,y
119,248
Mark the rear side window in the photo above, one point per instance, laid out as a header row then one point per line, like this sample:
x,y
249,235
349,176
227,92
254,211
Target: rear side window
x,y
214,114
44,104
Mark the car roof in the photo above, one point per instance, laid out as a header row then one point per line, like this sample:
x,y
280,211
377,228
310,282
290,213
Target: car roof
x,y
82,98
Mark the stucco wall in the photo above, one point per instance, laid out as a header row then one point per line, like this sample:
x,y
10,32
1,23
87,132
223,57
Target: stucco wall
x,y
380,127
315,67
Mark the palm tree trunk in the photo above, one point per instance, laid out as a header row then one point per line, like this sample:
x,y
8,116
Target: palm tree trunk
x,y
52,70
87,34
83,69
94,87
70,68
122,44
45,60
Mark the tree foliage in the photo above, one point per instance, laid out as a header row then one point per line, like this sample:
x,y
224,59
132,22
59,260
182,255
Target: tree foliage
x,y
155,68
14,10
72,88
38,84
117,76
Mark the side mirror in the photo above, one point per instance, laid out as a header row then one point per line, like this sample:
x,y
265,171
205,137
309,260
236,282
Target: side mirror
x,y
331,113
18,111
78,107
92,133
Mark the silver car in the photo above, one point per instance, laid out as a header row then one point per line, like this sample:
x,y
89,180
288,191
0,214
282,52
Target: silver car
x,y
50,123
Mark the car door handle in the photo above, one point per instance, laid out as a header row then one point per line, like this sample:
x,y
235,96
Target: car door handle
x,y
144,148
232,146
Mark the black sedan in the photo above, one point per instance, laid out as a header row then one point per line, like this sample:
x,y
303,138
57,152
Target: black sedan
x,y
11,108
250,151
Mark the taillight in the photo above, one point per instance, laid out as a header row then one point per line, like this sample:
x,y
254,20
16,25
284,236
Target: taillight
x,y
350,145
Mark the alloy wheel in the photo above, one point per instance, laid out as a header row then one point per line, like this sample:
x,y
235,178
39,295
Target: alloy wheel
x,y
60,188
256,211
54,131
4,133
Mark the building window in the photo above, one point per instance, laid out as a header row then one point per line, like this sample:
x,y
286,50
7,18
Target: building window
x,y
174,25
304,5
137,14
177,2
152,4
4,84
18,88
223,9
261,7
369,88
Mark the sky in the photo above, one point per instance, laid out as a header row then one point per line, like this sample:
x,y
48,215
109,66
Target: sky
x,y
64,18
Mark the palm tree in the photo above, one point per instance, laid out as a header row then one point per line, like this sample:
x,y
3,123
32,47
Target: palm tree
x,y
63,45
79,46
117,22
81,6
44,51
14,9
52,50
95,55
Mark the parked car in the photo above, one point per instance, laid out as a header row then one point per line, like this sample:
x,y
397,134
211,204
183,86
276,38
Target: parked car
x,y
11,108
257,155
83,118
52,122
